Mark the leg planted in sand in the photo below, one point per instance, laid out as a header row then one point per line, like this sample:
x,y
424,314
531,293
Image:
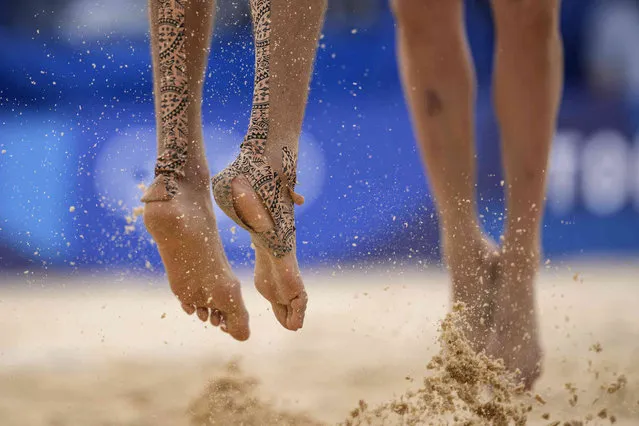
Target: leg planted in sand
x,y
439,85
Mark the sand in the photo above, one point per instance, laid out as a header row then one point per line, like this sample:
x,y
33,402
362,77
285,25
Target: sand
x,y
116,350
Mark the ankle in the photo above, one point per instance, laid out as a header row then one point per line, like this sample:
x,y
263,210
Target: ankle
x,y
273,154
199,186
197,176
520,259
460,228
521,241
462,248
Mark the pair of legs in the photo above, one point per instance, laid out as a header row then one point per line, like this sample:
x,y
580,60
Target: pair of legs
x,y
438,78
179,211
439,84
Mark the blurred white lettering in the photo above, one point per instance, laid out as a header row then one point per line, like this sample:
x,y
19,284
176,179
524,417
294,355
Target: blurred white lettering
x,y
562,176
601,170
604,173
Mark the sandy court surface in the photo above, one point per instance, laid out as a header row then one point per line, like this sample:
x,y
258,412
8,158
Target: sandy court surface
x,y
118,350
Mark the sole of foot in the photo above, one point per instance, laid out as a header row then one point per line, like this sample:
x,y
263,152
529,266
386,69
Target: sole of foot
x,y
199,274
277,279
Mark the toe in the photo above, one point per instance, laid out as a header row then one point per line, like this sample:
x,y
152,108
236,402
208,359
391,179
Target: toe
x,y
223,325
236,324
528,382
281,313
216,317
531,378
188,308
232,313
203,314
296,312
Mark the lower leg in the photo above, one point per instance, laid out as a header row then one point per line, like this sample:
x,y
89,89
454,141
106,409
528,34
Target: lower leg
x,y
263,178
180,43
528,82
292,43
178,211
296,31
439,85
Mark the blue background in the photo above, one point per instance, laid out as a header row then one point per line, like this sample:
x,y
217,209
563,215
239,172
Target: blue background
x,y
77,130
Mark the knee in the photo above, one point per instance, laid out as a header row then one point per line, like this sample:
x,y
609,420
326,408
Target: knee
x,y
425,16
533,22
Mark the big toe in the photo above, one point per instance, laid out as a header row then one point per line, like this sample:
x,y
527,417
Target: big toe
x,y
530,373
281,313
237,324
234,318
530,379
296,312
291,316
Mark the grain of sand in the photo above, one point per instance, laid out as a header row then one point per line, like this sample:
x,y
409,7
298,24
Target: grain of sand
x,y
117,351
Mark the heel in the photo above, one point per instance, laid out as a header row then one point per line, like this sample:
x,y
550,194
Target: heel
x,y
277,196
163,188
223,194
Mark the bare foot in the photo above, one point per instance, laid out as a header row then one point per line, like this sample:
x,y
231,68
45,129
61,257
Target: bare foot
x,y
472,262
277,279
515,337
199,274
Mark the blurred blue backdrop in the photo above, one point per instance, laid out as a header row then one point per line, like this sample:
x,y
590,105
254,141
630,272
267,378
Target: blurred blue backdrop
x,y
77,135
